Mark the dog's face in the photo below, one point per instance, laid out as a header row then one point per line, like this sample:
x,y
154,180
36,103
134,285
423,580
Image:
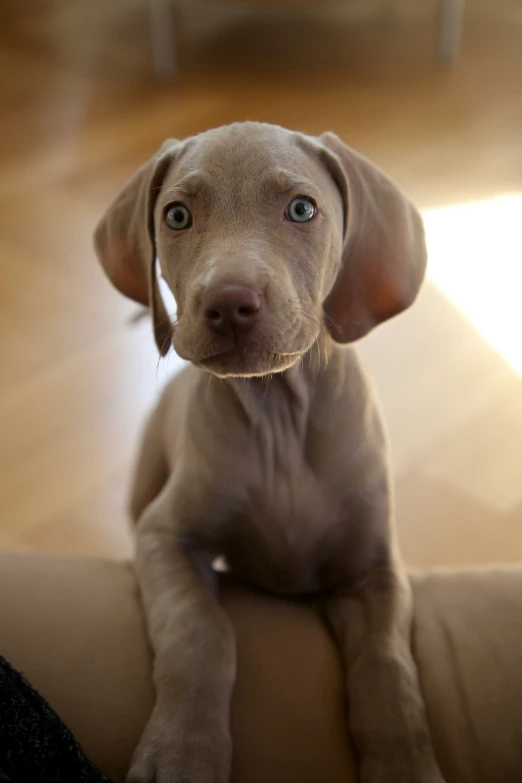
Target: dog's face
x,y
265,237
249,232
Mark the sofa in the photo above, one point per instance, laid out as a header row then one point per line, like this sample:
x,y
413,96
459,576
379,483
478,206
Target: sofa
x,y
76,630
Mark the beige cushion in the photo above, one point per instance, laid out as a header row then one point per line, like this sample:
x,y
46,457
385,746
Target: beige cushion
x,y
75,628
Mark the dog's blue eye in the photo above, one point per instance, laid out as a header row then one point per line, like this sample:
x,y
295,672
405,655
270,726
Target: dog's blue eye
x,y
300,210
178,217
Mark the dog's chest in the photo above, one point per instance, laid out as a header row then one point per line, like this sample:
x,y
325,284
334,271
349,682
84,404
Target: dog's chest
x,y
284,536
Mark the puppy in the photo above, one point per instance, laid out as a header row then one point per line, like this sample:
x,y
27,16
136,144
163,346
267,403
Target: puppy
x,y
269,450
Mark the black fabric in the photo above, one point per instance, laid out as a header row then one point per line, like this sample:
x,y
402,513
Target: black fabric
x,y
35,746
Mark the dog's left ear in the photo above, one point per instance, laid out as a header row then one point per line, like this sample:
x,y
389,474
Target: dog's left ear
x,y
384,252
125,240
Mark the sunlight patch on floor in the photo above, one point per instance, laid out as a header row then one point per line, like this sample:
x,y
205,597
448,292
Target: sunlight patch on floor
x,y
475,258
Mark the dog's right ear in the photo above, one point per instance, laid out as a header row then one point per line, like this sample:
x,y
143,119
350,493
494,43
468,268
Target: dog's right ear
x,y
384,254
125,243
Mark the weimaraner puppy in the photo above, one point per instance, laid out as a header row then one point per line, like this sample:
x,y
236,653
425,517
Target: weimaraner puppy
x,y
269,451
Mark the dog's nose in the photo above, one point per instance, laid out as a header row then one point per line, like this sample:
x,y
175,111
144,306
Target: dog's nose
x,y
231,309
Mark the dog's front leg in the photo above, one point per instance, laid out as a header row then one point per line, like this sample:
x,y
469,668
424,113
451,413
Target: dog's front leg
x,y
386,711
187,739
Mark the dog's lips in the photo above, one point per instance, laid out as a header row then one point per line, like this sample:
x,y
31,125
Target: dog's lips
x,y
245,353
250,361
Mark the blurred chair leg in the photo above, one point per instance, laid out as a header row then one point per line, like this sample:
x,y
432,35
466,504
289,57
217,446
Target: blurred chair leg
x,y
162,37
450,31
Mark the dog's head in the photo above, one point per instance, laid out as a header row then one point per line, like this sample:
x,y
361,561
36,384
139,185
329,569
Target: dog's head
x,y
265,237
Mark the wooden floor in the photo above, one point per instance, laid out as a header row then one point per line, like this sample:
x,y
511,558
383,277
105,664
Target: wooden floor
x,y
80,110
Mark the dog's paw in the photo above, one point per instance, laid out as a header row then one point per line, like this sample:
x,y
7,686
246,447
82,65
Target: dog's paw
x,y
169,752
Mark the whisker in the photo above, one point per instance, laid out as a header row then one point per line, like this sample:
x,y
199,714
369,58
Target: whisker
x,y
335,326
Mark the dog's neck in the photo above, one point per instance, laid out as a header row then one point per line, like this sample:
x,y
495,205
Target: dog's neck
x,y
285,397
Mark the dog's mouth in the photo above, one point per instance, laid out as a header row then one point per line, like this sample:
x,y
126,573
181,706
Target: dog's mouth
x,y
248,362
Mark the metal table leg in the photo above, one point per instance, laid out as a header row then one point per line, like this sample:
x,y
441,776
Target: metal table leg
x,y
162,37
450,31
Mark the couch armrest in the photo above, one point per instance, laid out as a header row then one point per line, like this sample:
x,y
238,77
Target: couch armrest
x,y
75,628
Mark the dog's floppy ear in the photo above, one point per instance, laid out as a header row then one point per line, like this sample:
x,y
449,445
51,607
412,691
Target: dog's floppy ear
x,y
384,253
125,244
